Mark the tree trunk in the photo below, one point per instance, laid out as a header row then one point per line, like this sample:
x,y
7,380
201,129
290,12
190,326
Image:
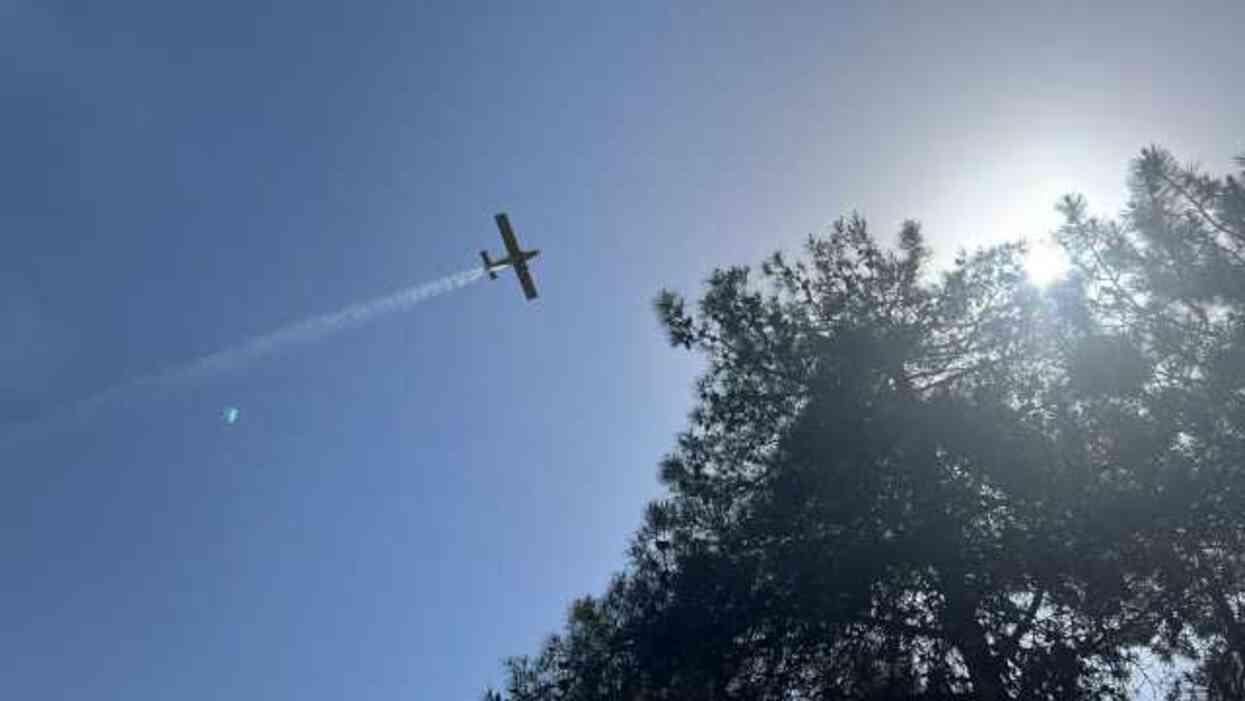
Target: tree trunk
x,y
985,669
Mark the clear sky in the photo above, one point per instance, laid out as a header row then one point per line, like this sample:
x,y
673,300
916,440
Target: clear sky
x,y
398,507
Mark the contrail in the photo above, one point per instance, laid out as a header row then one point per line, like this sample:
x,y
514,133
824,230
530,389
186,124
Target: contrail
x,y
308,331
244,354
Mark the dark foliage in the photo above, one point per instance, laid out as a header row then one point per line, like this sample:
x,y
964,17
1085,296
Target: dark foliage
x,y
895,486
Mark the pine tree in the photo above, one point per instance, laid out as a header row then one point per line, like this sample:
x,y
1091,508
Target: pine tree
x,y
901,485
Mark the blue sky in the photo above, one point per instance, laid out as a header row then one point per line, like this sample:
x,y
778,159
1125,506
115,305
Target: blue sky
x,y
401,506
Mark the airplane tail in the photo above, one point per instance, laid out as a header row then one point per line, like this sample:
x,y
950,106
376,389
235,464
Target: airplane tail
x,y
488,265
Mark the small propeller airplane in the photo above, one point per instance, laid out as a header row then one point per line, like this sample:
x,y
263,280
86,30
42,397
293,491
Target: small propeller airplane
x,y
516,258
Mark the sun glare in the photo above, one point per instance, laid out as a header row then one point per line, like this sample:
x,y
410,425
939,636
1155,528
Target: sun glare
x,y
1045,263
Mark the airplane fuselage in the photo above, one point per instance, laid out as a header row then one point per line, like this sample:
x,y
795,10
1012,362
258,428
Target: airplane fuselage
x,y
524,256
492,267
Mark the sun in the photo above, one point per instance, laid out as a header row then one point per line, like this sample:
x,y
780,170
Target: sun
x,y
1045,263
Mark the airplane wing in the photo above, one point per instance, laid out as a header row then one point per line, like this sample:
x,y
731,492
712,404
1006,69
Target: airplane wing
x,y
525,279
507,236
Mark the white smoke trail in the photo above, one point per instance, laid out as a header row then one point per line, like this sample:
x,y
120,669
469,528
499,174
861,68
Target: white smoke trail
x,y
242,355
310,330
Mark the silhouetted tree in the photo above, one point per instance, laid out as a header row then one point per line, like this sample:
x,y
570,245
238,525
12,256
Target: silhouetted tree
x,y
894,486
1168,280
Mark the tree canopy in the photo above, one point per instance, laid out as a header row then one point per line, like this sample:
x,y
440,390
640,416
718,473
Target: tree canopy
x,y
902,483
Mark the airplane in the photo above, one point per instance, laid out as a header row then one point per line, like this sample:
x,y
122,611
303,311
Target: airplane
x,y
516,258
